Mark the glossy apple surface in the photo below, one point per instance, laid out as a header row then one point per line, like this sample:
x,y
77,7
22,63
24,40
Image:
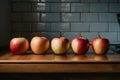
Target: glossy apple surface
x,y
39,45
80,45
100,45
19,45
60,45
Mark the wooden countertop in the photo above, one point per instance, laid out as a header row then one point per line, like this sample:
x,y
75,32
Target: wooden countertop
x,y
51,63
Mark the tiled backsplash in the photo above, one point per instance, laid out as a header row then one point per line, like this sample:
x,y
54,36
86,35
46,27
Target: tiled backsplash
x,y
69,18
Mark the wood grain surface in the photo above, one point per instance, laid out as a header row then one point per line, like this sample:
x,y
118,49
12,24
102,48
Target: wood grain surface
x,y
51,63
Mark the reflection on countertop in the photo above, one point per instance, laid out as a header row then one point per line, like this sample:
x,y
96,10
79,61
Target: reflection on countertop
x,y
68,57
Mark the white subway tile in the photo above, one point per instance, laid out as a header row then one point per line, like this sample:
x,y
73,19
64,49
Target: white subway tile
x,y
80,27
60,7
89,17
114,7
99,27
99,7
70,17
80,7
114,27
60,27
38,27
50,17
107,17
40,7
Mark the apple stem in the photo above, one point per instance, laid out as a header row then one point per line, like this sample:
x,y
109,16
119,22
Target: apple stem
x,y
99,36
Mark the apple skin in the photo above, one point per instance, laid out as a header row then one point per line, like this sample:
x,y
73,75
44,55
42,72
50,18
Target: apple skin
x,y
100,45
39,45
60,45
80,45
19,45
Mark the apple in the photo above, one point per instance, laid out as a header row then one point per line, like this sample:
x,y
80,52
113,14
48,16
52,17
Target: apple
x,y
100,45
60,45
80,45
19,45
39,44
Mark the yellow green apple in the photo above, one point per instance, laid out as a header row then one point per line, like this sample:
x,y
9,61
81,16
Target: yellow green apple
x,y
60,45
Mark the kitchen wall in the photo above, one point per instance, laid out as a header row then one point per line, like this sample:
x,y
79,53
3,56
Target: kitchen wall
x,y
69,18
5,13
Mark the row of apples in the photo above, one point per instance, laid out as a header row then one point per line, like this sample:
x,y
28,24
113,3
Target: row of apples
x,y
59,45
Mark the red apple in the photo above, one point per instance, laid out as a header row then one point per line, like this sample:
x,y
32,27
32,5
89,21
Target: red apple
x,y
80,45
39,45
60,45
19,45
100,45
